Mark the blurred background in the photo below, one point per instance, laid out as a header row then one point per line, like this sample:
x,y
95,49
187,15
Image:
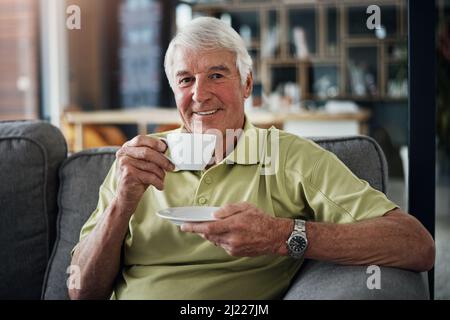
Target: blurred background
x,y
94,68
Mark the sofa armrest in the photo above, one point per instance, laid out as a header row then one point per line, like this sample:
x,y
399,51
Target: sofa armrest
x,y
318,280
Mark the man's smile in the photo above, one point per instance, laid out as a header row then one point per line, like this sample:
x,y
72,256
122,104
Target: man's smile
x,y
206,113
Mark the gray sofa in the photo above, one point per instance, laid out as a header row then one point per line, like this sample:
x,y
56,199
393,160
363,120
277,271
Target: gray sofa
x,y
45,197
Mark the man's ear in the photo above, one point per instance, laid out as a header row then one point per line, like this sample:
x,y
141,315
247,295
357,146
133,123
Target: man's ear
x,y
248,85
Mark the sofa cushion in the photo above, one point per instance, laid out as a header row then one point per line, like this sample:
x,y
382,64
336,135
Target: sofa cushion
x,y
318,280
30,155
81,176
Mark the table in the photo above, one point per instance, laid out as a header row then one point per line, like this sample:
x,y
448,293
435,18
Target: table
x,y
302,123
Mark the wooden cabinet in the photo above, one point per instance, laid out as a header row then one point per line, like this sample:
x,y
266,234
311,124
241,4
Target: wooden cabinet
x,y
324,48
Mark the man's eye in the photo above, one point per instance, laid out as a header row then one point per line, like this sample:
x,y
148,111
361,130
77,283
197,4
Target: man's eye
x,y
216,76
184,80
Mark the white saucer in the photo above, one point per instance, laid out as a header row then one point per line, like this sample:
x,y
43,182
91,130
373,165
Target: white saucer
x,y
179,215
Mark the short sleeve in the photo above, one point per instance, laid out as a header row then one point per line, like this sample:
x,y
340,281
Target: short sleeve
x,y
337,195
105,196
325,189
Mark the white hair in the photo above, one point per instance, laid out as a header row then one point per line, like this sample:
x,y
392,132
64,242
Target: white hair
x,y
207,33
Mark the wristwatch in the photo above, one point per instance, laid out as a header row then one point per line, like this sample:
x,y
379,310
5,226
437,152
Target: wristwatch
x,y
297,242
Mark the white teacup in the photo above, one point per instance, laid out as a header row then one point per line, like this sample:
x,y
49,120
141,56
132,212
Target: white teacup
x,y
190,151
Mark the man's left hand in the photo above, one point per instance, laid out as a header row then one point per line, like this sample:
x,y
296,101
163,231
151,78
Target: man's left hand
x,y
243,230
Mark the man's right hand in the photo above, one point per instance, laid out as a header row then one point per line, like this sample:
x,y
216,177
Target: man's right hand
x,y
140,164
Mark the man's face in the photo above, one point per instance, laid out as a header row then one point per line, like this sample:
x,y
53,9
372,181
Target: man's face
x,y
208,89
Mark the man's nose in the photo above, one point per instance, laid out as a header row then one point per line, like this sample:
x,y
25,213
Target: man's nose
x,y
201,91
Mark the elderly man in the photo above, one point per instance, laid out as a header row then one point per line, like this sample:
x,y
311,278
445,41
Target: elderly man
x,y
312,206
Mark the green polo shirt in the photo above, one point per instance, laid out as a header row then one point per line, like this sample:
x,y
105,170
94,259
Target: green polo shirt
x,y
285,176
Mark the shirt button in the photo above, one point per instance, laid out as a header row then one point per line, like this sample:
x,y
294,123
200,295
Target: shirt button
x,y
202,200
208,180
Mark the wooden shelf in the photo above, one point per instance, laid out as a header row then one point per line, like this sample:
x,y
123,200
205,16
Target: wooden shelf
x,y
324,36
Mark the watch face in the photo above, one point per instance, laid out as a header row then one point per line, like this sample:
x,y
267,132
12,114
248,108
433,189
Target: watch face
x,y
297,244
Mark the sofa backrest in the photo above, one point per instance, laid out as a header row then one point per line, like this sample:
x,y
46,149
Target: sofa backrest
x,y
82,174
30,155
